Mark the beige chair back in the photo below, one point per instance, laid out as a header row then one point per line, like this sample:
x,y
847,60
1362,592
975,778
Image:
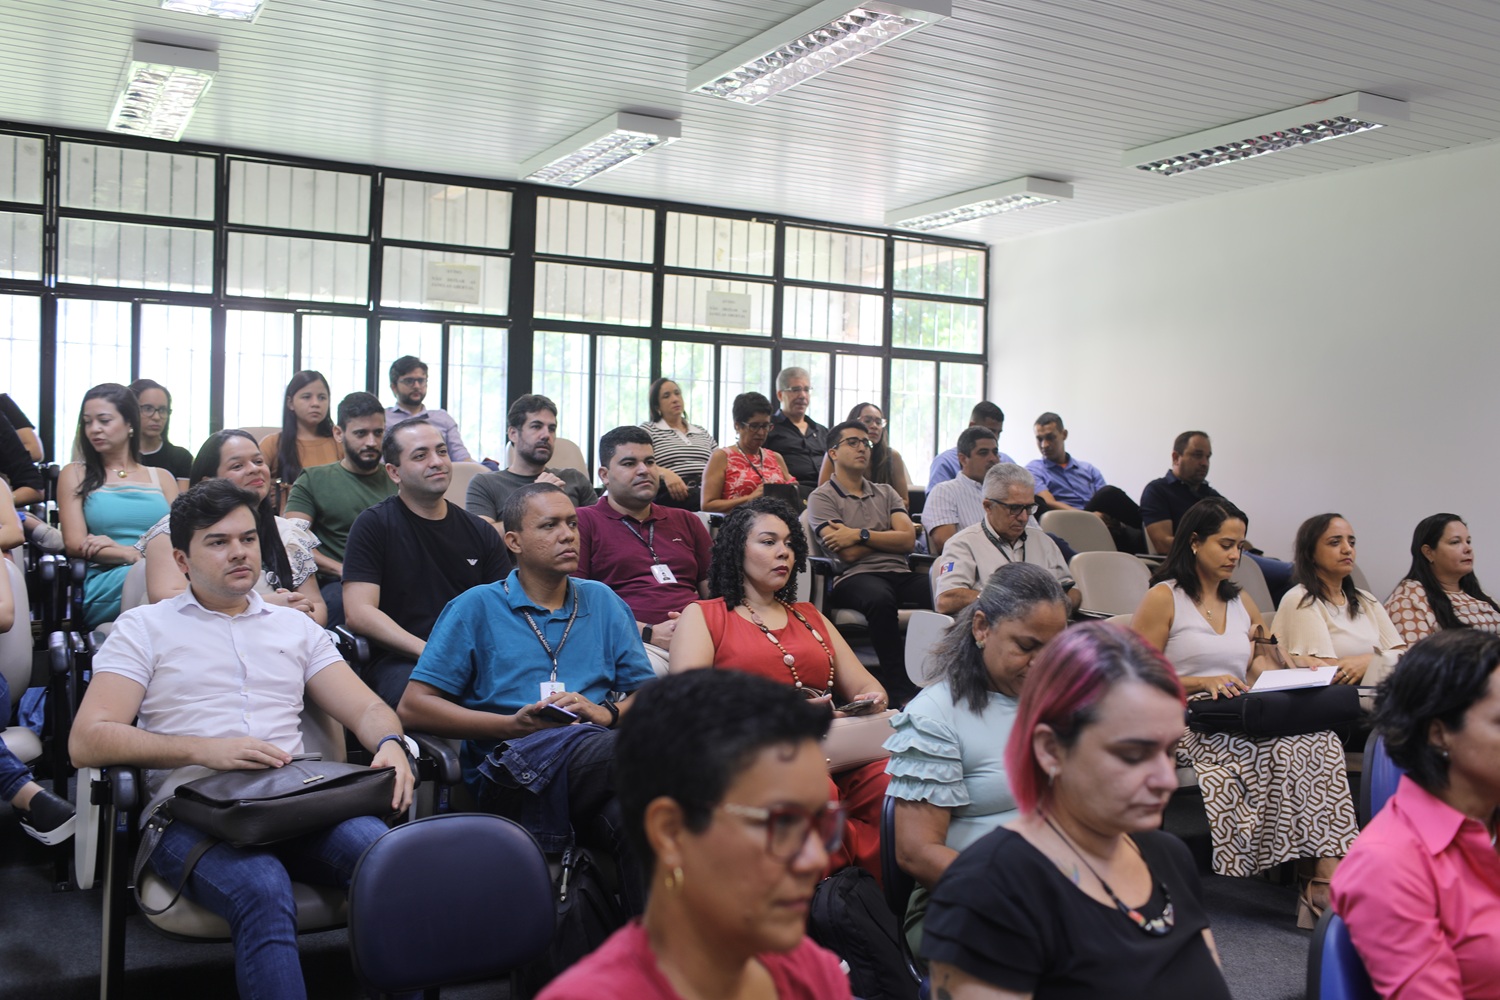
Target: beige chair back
x,y
1080,529
565,455
458,489
1359,579
1112,583
1253,583
133,589
923,630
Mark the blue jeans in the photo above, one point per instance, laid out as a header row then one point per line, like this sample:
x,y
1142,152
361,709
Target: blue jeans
x,y
13,774
251,888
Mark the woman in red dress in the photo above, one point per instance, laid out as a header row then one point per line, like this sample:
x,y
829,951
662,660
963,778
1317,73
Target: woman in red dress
x,y
739,473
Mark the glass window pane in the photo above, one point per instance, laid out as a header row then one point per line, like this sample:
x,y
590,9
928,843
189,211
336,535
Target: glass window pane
x,y
452,279
595,229
818,370
691,366
716,305
836,258
593,294
560,371
21,169
859,381
911,425
112,179
258,349
324,201
287,267
93,346
422,340
937,326
20,350
621,381
175,342
477,370
20,244
707,243
823,314
938,270
961,386
335,346
741,369
111,253
445,213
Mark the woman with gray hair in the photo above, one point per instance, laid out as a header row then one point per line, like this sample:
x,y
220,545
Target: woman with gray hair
x,y
947,766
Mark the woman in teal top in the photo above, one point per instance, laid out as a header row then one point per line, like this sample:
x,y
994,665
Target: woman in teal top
x,y
947,767
108,500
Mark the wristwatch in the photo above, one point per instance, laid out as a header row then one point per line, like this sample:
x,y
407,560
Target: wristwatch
x,y
864,535
646,635
407,743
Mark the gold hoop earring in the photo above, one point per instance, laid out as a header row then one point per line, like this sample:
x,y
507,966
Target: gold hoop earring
x,y
674,880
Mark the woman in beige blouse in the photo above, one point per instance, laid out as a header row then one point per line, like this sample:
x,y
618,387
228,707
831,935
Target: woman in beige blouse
x,y
1440,590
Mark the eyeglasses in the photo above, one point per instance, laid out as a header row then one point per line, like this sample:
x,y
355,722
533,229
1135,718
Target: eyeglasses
x,y
787,827
760,425
872,421
1014,509
155,411
798,390
411,382
855,442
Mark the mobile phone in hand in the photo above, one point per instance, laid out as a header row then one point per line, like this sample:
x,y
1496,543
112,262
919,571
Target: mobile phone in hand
x,y
552,713
857,707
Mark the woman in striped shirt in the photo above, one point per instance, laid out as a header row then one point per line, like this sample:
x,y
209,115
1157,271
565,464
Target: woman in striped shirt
x,y
682,448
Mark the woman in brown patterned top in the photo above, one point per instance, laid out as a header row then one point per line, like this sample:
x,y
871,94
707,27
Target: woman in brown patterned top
x,y
1440,590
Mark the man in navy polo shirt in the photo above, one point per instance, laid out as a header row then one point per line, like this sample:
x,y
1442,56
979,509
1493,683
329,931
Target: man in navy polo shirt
x,y
655,558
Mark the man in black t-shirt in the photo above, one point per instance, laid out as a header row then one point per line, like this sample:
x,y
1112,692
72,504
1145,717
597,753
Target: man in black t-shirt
x,y
412,553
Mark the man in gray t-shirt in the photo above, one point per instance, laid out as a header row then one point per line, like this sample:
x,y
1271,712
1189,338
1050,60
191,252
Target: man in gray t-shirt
x,y
532,431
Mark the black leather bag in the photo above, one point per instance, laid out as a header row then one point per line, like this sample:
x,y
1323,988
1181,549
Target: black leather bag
x,y
1277,713
249,808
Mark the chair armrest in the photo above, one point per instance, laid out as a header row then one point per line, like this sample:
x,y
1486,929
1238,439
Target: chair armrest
x,y
354,647
1083,615
821,566
443,758
921,562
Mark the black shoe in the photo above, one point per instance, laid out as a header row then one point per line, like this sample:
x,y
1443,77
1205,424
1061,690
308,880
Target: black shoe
x,y
50,819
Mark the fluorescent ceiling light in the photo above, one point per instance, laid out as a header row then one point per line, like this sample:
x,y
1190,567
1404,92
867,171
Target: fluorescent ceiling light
x,y
1023,192
161,86
230,10
605,145
1272,133
814,41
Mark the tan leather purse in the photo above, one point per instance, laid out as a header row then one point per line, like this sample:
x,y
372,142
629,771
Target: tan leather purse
x,y
857,740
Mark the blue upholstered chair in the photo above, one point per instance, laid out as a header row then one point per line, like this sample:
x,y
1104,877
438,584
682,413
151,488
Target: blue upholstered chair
x,y
1381,776
1334,968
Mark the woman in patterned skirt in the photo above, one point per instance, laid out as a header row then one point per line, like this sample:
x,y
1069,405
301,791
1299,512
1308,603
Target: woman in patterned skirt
x,y
1440,590
1268,799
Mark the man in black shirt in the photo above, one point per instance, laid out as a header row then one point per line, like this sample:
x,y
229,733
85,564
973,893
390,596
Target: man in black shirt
x,y
412,553
16,465
796,437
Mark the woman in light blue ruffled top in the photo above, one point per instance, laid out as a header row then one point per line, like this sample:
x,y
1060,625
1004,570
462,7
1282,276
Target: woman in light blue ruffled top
x,y
947,767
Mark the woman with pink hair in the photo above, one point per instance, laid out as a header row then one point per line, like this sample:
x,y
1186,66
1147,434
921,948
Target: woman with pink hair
x,y
1081,895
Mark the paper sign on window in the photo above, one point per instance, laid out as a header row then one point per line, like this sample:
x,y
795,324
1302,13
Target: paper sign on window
x,y
452,282
728,310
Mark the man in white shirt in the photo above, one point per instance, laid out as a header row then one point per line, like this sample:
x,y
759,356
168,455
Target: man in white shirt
x,y
214,680
959,502
1004,535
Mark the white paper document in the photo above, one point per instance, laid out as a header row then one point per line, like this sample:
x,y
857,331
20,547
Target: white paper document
x,y
1297,677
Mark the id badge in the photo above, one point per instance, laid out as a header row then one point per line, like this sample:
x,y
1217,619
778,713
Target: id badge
x,y
550,688
663,573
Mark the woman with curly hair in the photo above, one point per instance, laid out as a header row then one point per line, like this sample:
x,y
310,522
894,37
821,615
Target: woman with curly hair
x,y
750,623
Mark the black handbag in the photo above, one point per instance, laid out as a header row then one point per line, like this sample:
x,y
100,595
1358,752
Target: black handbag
x,y
249,808
1277,713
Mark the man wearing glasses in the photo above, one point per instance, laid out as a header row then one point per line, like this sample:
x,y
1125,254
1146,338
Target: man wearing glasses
x,y
409,383
1005,534
797,438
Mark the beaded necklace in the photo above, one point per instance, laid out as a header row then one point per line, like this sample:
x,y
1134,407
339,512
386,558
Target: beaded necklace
x,y
1154,926
787,658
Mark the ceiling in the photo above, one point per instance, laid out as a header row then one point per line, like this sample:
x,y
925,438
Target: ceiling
x,y
1052,88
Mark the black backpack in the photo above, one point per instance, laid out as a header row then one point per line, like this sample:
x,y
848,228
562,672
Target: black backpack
x,y
587,913
850,918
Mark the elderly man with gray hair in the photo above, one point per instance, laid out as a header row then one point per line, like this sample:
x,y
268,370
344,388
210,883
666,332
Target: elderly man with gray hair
x,y
797,438
1004,535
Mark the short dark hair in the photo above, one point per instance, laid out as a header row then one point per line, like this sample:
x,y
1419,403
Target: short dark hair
x,y
612,440
1438,680
1305,565
1049,418
204,506
726,567
1429,532
406,363
390,445
1181,442
747,405
986,411
971,436
1202,520
528,404
357,405
513,511
688,736
836,432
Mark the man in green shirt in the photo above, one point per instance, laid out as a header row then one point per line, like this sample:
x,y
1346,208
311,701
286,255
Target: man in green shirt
x,y
332,496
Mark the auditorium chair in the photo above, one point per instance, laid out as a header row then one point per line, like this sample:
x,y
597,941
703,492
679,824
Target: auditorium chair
x,y
821,579
1379,779
1253,583
923,630
458,488
898,887
1334,969
1110,583
1084,531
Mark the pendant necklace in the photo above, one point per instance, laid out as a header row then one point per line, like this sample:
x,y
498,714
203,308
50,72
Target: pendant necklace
x,y
786,657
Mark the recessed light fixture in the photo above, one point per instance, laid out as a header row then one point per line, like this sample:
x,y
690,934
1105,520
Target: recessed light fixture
x,y
161,86
1272,133
812,42
1023,192
230,10
603,146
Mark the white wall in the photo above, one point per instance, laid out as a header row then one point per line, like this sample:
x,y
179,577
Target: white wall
x,y
1334,335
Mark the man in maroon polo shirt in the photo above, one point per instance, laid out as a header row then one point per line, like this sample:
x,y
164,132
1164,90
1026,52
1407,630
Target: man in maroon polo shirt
x,y
655,558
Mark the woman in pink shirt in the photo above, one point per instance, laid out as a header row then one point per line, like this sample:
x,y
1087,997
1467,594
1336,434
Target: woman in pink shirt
x,y
724,793
1420,889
